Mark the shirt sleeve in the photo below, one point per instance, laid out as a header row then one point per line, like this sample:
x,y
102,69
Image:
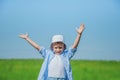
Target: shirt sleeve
x,y
43,52
71,52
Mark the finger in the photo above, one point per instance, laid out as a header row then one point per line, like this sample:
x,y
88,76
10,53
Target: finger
x,y
82,25
26,33
20,36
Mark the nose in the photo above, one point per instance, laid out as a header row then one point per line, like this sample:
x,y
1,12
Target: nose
x,y
57,49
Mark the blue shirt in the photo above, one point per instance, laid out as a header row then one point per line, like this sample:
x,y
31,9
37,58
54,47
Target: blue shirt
x,y
48,55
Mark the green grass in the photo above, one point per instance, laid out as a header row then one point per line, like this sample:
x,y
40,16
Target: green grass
x,y
28,69
96,70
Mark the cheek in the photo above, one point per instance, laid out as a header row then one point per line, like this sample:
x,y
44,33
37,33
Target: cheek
x,y
61,50
54,49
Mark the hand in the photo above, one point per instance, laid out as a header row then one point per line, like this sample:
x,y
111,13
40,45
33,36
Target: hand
x,y
24,36
80,29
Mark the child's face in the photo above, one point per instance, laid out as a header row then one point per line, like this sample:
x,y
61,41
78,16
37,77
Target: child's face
x,y
58,48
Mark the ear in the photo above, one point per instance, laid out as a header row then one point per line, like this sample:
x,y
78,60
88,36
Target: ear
x,y
64,46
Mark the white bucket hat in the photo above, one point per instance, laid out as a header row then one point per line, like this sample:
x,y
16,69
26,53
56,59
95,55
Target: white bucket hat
x,y
57,38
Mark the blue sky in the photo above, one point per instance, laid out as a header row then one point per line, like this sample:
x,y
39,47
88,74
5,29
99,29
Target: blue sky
x,y
44,18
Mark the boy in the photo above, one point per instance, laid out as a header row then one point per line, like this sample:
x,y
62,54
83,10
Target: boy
x,y
56,65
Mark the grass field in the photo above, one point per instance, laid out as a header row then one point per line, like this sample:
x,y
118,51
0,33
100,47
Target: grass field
x,y
28,69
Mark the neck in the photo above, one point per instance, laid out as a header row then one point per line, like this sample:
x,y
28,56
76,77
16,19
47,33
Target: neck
x,y
57,53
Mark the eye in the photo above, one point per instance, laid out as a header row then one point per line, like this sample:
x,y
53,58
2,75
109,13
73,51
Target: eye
x,y
60,47
55,47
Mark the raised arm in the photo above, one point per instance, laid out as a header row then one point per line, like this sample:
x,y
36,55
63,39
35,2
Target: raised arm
x,y
79,33
25,36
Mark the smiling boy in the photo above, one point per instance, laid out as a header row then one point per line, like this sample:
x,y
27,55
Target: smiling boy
x,y
56,65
